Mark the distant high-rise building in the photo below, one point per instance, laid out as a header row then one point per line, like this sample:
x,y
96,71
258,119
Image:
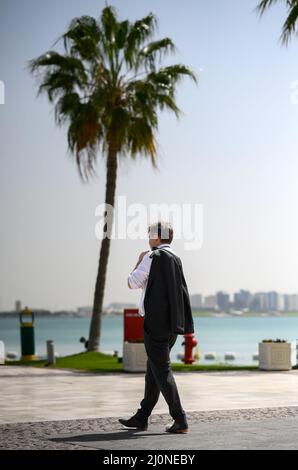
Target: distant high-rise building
x,y
293,302
281,303
223,301
196,301
260,302
18,306
272,301
210,301
242,299
286,302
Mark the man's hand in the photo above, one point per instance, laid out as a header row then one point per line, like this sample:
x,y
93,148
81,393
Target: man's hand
x,y
141,256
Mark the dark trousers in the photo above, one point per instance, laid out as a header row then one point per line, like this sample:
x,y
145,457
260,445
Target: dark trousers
x,y
159,378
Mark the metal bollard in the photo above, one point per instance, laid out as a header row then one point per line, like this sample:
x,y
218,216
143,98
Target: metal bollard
x,y
27,335
51,352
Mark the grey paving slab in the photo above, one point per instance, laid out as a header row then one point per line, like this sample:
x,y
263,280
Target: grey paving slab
x,y
64,395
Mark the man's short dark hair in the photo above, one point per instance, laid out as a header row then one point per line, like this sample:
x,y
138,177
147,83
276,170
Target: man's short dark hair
x,y
163,230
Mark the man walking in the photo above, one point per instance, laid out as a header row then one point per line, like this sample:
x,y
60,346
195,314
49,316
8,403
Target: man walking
x,y
165,305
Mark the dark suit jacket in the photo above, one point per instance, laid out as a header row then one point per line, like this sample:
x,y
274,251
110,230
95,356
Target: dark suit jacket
x,y
166,302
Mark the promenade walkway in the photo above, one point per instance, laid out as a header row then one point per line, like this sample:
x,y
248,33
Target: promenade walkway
x,y
67,409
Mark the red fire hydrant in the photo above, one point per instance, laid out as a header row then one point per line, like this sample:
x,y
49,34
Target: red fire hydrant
x,y
189,343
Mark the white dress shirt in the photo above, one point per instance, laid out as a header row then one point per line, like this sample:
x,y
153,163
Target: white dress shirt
x,y
139,277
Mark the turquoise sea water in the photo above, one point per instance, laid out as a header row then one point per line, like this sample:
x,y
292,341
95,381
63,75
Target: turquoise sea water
x,y
219,335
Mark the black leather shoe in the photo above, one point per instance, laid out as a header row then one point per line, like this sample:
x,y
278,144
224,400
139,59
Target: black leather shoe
x,y
134,423
177,428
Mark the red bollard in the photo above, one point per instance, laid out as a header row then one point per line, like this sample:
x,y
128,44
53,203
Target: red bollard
x,y
189,343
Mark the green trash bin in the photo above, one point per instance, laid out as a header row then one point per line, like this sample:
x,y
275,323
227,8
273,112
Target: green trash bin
x,y
27,335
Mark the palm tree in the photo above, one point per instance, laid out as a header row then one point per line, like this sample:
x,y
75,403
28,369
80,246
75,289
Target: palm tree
x,y
289,26
108,88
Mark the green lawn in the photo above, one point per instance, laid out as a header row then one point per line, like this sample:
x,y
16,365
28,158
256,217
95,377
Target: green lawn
x,y
90,361
99,362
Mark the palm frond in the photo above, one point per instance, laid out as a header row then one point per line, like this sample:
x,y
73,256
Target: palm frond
x,y
168,102
171,75
139,32
264,5
140,139
110,28
148,54
121,35
53,58
67,108
83,38
58,74
289,26
109,23
84,137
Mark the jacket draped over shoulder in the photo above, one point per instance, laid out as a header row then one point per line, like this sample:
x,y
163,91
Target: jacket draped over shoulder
x,y
166,302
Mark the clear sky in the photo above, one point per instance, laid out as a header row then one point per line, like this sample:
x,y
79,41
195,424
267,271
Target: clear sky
x,y
235,151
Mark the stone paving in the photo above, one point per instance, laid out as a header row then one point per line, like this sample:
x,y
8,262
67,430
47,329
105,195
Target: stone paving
x,y
261,428
63,409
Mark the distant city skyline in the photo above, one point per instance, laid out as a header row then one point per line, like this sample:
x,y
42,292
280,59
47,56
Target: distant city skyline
x,y
243,300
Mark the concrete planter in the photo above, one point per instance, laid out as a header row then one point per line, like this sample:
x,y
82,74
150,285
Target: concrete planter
x,y
134,357
275,356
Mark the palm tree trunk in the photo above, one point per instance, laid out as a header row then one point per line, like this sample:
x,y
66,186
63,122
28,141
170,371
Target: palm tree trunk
x,y
95,326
